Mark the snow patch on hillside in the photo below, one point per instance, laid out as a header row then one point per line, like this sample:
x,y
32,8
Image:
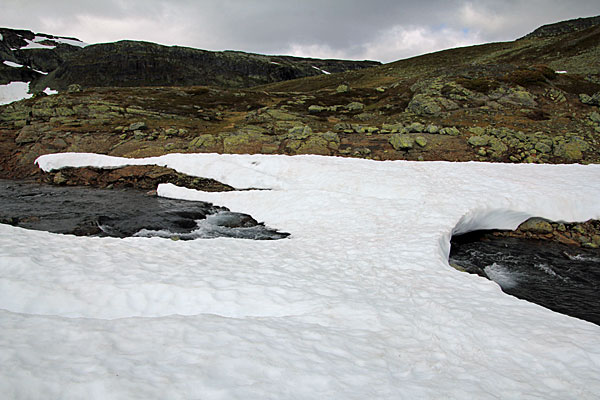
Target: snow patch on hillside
x,y
321,70
359,302
12,64
14,91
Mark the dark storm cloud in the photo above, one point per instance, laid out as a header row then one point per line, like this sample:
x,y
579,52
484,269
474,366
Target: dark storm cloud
x,y
378,29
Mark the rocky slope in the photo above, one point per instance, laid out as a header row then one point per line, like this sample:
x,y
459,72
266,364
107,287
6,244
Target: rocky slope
x,y
26,56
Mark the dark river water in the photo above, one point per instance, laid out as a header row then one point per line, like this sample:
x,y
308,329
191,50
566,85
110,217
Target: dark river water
x,y
121,213
562,278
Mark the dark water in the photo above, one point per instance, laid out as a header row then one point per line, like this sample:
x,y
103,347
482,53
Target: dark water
x,y
562,278
121,213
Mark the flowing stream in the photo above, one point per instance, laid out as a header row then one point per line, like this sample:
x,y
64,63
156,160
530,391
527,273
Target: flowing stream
x,y
559,277
121,213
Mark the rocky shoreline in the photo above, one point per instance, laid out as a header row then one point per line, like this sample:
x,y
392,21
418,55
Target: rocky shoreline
x,y
145,177
581,234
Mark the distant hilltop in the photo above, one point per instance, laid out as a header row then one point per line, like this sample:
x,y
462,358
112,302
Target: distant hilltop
x,y
55,62
559,28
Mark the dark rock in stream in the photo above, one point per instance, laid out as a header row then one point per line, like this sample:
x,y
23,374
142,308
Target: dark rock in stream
x,y
121,213
563,278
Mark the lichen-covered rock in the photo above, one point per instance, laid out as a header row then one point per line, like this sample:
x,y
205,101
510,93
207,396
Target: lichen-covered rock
x,y
315,109
422,104
431,128
593,100
280,115
391,128
343,127
136,126
517,96
555,95
401,142
543,147
312,145
497,147
250,143
570,151
415,127
205,142
450,131
355,106
299,132
536,225
421,141
478,141
477,130
342,88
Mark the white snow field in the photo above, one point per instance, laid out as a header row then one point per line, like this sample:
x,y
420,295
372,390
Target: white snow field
x,y
14,91
359,302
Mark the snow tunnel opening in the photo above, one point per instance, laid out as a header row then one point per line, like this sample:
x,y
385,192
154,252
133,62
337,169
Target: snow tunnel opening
x,y
553,264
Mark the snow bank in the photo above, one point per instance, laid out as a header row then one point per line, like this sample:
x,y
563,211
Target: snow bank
x,y
14,91
359,303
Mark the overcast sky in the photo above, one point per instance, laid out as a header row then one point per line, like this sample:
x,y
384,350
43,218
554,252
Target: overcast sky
x,y
383,30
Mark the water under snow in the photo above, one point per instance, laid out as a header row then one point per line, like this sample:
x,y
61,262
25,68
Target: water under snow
x,y
359,303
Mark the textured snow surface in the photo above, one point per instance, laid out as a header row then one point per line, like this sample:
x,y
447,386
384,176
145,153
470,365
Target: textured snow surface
x,y
14,91
360,302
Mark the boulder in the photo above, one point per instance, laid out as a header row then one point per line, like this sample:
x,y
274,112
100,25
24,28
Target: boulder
x,y
342,88
401,142
355,106
543,147
421,141
593,100
316,109
137,126
536,225
28,134
477,141
571,150
422,104
299,132
391,128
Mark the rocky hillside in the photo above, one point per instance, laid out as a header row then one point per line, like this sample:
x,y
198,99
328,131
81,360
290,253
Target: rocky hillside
x,y
130,63
55,62
560,28
501,102
25,56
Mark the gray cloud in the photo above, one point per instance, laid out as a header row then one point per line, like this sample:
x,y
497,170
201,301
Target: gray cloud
x,y
385,30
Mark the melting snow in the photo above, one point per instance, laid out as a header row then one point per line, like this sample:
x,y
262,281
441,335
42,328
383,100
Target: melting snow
x,y
37,43
12,64
49,91
14,91
323,71
360,302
